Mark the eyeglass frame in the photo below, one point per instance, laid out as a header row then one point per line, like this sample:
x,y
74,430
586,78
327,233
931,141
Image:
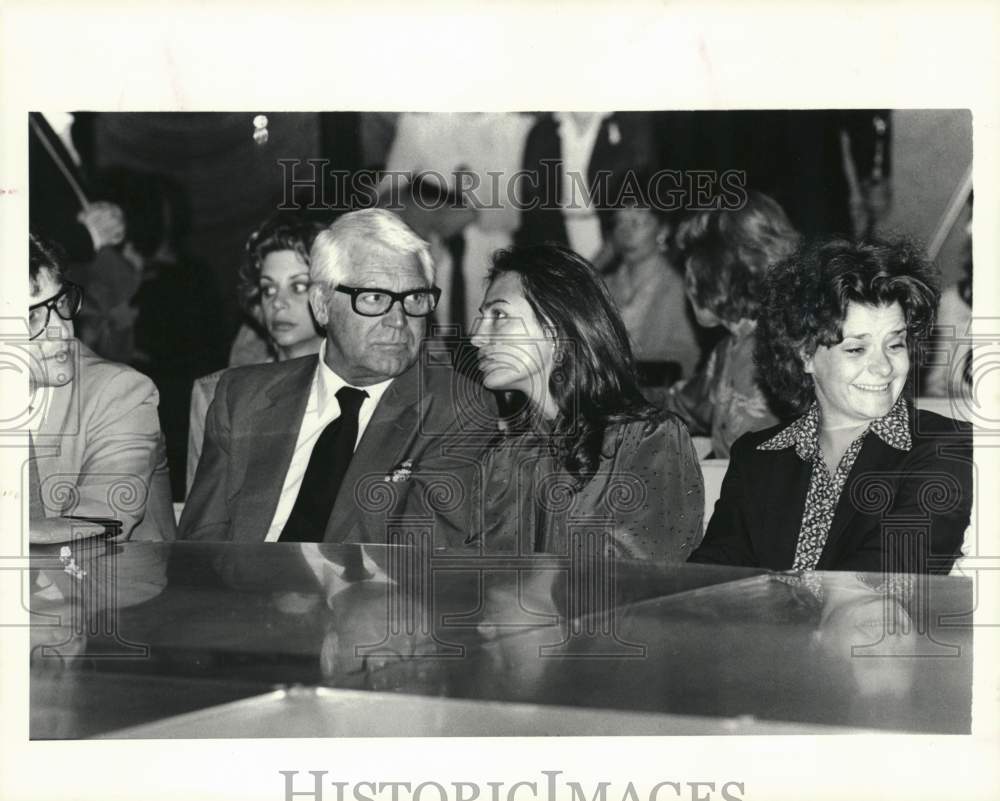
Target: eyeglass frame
x,y
397,297
50,306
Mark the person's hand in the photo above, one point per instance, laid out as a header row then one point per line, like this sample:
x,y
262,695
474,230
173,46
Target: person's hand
x,y
105,222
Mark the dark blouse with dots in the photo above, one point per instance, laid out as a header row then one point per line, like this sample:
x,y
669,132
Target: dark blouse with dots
x,y
646,500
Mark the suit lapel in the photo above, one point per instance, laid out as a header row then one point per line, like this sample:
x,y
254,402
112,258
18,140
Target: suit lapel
x,y
781,501
270,435
389,435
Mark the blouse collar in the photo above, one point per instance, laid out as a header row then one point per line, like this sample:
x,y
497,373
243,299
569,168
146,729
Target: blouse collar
x,y
893,429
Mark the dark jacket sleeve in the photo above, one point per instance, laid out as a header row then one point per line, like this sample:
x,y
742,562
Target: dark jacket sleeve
x,y
206,512
727,538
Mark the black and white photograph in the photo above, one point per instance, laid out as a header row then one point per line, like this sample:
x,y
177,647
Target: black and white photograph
x,y
401,428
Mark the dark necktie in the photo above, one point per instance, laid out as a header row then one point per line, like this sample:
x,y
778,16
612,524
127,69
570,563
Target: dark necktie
x,y
456,296
325,473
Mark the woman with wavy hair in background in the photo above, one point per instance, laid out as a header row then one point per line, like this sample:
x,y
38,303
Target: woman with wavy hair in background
x,y
726,258
586,447
838,323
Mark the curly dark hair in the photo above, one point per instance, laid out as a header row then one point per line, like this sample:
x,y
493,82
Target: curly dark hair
x,y
806,299
593,382
727,254
280,231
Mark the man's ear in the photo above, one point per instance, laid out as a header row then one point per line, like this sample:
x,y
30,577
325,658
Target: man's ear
x,y
317,302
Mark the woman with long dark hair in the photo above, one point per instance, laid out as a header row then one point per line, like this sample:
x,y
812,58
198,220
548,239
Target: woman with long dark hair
x,y
587,459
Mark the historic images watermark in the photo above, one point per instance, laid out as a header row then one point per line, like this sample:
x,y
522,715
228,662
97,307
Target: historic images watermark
x,y
551,785
311,184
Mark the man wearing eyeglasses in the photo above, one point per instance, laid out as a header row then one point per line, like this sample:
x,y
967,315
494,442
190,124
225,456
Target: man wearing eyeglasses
x,y
377,428
95,434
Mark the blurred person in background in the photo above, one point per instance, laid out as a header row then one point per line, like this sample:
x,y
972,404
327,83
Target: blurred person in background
x,y
950,375
726,258
648,290
572,159
60,203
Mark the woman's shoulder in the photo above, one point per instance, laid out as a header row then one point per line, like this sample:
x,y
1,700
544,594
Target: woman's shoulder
x,y
929,428
206,384
750,442
654,427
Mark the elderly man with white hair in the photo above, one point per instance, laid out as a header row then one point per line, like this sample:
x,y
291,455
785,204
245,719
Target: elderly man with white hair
x,y
378,428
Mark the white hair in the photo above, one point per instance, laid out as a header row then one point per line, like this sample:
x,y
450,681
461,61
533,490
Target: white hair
x,y
329,259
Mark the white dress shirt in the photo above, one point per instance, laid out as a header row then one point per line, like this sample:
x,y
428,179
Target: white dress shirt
x,y
322,408
583,227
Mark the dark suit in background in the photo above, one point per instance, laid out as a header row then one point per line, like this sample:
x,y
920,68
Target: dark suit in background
x,y
624,142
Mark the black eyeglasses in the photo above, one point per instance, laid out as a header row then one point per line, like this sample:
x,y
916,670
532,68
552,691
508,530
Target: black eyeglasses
x,y
66,303
374,302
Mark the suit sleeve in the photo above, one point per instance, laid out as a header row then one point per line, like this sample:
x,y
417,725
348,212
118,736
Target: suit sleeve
x,y
936,487
206,511
122,449
727,538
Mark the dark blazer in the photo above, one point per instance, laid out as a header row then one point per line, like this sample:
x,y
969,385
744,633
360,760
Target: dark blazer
x,y
430,416
758,515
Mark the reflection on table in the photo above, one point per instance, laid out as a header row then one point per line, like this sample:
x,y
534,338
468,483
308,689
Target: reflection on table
x,y
128,636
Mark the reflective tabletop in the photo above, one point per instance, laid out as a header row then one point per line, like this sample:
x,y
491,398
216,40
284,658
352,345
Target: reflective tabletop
x,y
220,640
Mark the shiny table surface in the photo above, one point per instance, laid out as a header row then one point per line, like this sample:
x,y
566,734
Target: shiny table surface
x,y
305,637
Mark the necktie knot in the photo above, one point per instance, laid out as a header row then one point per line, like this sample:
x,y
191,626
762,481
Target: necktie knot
x,y
350,400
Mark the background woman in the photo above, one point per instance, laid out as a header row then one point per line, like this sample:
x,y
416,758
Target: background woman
x,y
587,448
648,290
835,333
727,255
274,288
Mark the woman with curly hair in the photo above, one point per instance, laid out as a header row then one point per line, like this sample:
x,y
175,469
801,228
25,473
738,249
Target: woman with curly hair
x,y
726,258
587,455
860,480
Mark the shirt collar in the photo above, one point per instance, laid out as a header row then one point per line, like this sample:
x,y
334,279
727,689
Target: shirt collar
x,y
326,384
568,126
893,429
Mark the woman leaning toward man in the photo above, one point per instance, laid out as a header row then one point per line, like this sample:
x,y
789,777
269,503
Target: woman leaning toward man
x,y
837,325
587,453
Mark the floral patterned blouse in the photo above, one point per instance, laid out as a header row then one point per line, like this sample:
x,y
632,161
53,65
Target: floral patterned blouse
x,y
824,489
